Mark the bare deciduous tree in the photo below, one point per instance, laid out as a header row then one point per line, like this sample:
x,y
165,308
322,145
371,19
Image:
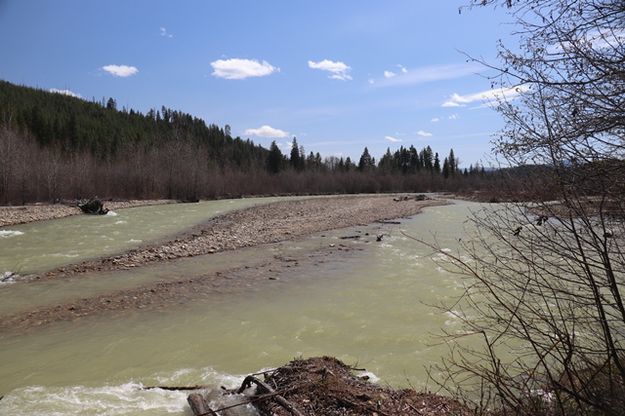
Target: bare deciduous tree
x,y
545,279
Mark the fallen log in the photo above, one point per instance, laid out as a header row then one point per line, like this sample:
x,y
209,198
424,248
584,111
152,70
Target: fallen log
x,y
199,406
388,222
176,388
349,237
264,388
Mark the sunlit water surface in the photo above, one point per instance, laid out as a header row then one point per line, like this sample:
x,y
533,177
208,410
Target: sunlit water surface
x,y
372,309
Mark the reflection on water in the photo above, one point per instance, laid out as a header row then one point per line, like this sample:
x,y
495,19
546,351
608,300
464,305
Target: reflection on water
x,y
372,308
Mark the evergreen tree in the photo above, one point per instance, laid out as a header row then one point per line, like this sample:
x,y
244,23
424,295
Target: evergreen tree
x,y
365,163
295,155
302,158
453,166
437,164
111,104
446,168
386,162
274,158
341,165
349,165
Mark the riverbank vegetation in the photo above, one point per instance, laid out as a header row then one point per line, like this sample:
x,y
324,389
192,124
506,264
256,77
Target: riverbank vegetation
x,y
54,146
545,279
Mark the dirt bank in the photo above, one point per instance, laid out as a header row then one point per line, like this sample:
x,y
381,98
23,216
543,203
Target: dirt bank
x,y
12,215
263,224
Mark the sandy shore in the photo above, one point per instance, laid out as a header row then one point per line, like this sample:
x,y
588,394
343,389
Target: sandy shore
x,y
12,215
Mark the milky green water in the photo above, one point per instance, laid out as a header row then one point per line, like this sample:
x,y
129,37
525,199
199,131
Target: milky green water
x,y
370,308
44,245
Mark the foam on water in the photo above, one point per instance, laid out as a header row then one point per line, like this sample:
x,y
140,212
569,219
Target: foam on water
x,y
205,376
111,214
7,278
10,233
371,376
454,318
117,400
126,399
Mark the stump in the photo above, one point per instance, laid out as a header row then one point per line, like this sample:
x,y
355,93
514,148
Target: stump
x,y
92,206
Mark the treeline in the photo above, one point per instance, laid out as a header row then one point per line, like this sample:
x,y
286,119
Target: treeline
x,y
74,125
53,147
405,161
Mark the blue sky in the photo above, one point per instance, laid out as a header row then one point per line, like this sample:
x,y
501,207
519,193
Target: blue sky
x,y
338,75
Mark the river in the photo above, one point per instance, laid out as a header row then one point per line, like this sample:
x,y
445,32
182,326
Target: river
x,y
372,308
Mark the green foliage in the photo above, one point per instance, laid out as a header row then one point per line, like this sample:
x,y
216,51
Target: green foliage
x,y
275,159
297,160
365,163
74,125
168,153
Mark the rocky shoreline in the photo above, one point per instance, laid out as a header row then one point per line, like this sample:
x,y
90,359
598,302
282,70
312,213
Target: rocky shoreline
x,y
262,224
268,225
162,294
23,214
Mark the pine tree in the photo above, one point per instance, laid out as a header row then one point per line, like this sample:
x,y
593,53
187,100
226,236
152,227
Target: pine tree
x,y
349,165
295,155
274,158
453,166
446,168
365,162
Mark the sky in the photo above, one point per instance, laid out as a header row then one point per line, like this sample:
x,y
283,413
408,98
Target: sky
x,y
338,75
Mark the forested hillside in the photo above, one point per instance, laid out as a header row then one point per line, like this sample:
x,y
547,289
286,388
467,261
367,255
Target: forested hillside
x,y
76,125
54,146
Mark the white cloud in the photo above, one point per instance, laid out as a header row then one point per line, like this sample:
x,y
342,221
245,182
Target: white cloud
x,y
453,117
489,96
65,92
391,74
392,139
371,81
266,131
165,34
338,70
120,70
431,74
423,133
435,120
236,68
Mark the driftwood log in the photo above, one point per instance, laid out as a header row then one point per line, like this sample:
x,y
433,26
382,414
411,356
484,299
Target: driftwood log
x,y
92,206
264,388
177,388
388,222
199,405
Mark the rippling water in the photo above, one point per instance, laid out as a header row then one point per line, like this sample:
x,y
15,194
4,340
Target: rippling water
x,y
44,245
372,308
